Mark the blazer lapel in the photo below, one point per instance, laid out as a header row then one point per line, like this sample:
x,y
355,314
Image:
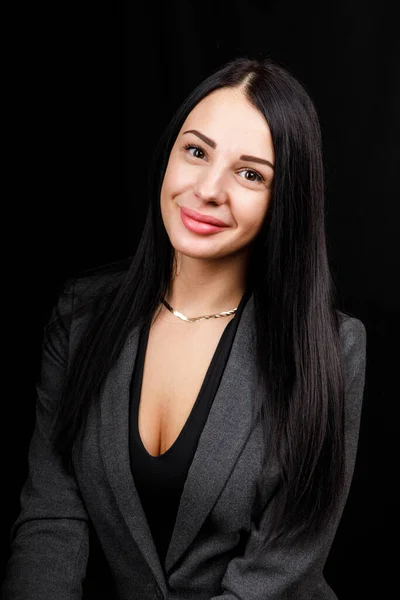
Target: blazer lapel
x,y
114,442
223,437
227,428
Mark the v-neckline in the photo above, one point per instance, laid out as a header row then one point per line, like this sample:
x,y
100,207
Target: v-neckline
x,y
143,340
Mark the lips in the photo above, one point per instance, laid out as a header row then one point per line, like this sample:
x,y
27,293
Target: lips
x,y
203,218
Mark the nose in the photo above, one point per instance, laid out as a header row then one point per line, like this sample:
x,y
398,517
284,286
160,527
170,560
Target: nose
x,y
211,185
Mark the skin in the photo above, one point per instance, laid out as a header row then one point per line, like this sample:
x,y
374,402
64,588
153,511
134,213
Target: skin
x,y
210,274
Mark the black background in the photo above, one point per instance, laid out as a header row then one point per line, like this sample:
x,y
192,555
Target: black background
x,y
89,88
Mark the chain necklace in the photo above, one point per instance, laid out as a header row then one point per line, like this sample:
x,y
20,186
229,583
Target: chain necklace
x,y
195,319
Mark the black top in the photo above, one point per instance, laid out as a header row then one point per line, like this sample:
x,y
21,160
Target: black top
x,y
159,480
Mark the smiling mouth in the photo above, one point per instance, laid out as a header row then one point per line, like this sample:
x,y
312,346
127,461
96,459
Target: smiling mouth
x,y
199,227
203,218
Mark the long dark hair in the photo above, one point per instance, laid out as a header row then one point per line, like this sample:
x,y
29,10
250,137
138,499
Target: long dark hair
x,y
296,316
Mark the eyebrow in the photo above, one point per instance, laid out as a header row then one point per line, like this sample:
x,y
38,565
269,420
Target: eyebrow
x,y
213,144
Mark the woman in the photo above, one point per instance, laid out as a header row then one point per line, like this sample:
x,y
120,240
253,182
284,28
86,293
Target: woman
x,y
199,406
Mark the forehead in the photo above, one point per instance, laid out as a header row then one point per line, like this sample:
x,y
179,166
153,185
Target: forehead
x,y
226,115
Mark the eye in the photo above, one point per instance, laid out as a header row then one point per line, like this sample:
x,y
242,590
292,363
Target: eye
x,y
195,151
250,174
253,176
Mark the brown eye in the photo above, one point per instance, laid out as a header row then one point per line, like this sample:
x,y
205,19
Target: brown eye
x,y
195,151
252,176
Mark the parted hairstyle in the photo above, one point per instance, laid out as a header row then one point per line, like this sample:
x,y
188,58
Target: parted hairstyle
x,y
297,321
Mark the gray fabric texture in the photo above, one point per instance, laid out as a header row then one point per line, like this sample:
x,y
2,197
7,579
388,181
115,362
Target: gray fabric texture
x,y
218,512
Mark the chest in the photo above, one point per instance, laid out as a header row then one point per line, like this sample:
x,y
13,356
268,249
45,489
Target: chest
x,y
177,358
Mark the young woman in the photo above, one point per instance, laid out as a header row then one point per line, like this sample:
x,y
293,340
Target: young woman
x,y
199,404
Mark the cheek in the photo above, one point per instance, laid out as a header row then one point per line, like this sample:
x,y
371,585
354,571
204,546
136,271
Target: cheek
x,y
251,217
176,180
167,189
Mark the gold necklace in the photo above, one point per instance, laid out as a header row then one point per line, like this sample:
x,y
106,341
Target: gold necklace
x,y
195,319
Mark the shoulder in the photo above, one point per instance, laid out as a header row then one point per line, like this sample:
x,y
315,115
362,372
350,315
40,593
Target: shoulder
x,y
99,282
353,337
352,331
88,292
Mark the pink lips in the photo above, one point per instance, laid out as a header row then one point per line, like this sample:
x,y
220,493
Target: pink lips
x,y
203,218
197,226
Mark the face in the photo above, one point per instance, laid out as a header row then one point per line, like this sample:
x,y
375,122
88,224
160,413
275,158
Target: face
x,y
221,166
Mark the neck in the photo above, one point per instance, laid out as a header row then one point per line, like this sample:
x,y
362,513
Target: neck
x,y
203,287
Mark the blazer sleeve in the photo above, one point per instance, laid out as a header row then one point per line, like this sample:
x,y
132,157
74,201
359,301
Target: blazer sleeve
x,y
49,539
288,572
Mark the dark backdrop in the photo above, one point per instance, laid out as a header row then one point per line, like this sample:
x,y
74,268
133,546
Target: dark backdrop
x,y
92,85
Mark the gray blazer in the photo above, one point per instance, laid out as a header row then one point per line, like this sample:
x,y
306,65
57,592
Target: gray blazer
x,y
219,511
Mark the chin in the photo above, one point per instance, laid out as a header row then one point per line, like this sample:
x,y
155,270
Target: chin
x,y
191,252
